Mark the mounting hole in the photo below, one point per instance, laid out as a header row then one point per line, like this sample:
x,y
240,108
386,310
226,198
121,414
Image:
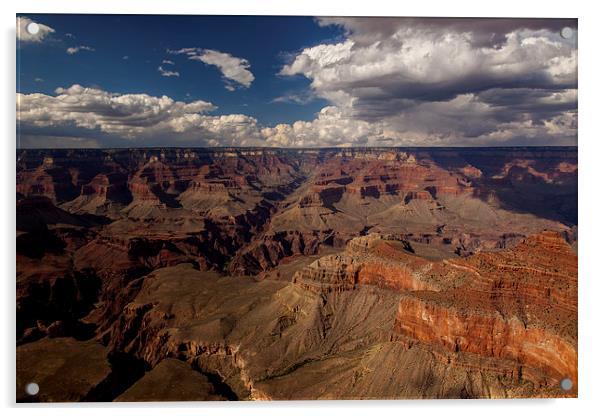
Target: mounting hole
x,y
566,384
566,32
33,28
32,389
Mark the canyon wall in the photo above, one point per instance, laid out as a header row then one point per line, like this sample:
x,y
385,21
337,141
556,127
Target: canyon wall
x,y
299,274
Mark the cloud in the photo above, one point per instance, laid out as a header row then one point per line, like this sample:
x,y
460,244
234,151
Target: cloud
x,y
448,81
24,36
128,115
416,65
232,68
167,73
388,82
168,62
76,49
332,127
467,120
463,121
300,98
224,130
483,31
28,141
112,119
184,51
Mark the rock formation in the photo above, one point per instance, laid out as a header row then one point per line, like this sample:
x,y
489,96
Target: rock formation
x,y
258,274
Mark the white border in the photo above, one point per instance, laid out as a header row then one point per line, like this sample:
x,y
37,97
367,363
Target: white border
x,y
590,166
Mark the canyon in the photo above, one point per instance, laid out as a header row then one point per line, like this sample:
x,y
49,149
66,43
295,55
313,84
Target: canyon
x,y
170,274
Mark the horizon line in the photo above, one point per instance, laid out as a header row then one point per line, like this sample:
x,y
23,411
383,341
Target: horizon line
x,y
297,148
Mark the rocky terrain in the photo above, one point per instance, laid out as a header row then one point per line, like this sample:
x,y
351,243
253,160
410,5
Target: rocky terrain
x,y
268,274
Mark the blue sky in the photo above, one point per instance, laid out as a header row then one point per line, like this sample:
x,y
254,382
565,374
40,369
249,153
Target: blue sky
x,y
266,42
127,80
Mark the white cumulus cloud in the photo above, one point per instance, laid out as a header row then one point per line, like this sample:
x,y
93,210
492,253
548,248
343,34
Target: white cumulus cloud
x,y
127,115
128,120
232,68
448,81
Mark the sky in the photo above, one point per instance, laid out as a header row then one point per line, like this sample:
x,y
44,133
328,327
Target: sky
x,y
138,81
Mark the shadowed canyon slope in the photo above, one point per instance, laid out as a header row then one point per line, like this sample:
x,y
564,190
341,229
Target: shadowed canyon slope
x,y
251,274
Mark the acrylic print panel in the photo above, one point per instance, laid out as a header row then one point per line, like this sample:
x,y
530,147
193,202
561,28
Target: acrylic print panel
x,y
284,208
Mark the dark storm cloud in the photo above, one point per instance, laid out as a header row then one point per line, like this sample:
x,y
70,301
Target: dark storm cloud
x,y
537,103
393,94
487,31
